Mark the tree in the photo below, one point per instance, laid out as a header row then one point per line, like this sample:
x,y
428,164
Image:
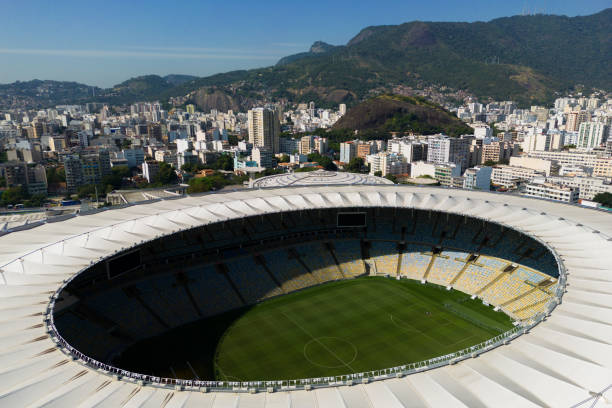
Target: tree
x,y
392,178
232,140
56,175
115,179
490,163
192,167
355,165
305,169
323,161
13,195
37,200
215,181
87,191
378,173
166,175
284,159
605,199
223,162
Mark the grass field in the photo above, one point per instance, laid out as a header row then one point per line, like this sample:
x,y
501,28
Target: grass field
x,y
351,326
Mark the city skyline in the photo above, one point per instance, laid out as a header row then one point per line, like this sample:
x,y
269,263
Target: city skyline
x,y
124,41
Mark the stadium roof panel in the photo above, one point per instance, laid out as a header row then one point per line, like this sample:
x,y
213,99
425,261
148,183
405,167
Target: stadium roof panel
x,y
318,177
564,360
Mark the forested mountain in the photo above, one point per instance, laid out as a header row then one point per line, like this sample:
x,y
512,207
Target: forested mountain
x,y
529,59
524,58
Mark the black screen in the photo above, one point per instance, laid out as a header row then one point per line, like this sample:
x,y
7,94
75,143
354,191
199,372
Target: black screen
x,y
352,219
123,263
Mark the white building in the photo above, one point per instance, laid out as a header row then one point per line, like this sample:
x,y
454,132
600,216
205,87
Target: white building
x,y
483,131
551,191
421,168
182,145
443,149
591,134
387,163
572,158
411,150
588,187
511,176
348,150
542,165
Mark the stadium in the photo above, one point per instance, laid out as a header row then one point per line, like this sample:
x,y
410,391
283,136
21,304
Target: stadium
x,y
301,296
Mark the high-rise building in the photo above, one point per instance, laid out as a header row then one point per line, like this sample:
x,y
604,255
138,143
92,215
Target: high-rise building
x,y
386,163
603,167
34,179
186,157
39,129
263,157
155,131
287,145
347,151
574,119
89,168
443,149
150,169
592,134
320,144
264,129
306,144
496,152
411,150
363,149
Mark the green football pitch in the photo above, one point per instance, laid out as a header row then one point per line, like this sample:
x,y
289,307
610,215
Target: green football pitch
x,y
351,326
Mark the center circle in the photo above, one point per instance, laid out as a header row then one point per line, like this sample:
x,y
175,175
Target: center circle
x,y
330,352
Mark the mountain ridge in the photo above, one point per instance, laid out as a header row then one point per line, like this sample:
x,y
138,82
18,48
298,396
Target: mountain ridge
x,y
529,59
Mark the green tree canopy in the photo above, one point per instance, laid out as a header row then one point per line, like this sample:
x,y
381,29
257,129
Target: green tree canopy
x,y
604,199
355,165
166,175
56,175
13,195
323,161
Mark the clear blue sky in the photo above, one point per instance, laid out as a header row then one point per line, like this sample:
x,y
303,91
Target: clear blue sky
x,y
105,42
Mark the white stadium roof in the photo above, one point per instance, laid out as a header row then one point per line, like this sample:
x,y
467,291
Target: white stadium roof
x,y
318,177
563,361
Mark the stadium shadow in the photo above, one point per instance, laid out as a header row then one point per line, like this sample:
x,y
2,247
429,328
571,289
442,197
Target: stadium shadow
x,y
185,352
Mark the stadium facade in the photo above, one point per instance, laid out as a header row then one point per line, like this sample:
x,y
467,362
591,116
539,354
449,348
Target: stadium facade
x,y
560,357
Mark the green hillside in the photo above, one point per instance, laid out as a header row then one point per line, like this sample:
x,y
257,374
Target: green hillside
x,y
394,113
